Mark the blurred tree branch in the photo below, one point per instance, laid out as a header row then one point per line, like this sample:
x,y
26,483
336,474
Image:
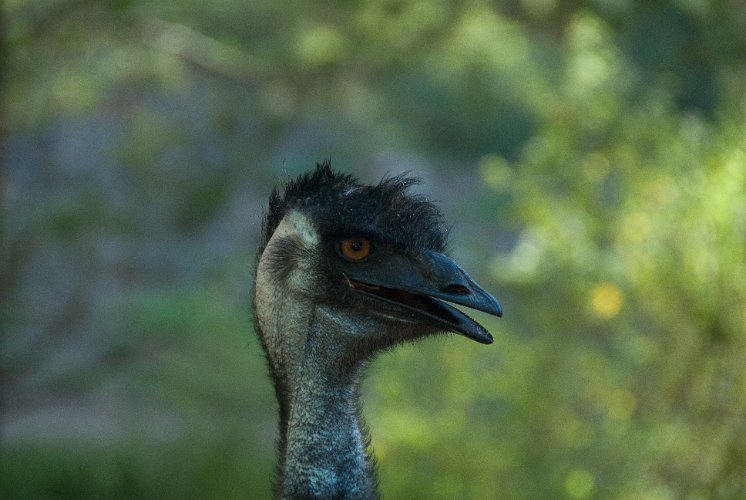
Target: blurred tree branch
x,y
202,51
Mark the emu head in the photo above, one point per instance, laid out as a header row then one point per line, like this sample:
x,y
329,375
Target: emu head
x,y
355,269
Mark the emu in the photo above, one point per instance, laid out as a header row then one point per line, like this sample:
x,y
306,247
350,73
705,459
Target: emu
x,y
345,270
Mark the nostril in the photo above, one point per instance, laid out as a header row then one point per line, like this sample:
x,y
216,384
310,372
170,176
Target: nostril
x,y
456,290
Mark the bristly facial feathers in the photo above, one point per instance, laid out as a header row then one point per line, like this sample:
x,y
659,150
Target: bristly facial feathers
x,y
341,205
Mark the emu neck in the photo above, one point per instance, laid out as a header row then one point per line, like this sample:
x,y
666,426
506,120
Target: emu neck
x,y
324,453
316,355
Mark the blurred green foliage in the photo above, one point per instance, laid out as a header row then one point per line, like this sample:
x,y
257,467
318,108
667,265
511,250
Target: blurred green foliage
x,y
591,156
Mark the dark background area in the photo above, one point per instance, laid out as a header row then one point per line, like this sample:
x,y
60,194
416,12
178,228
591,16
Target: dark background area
x,y
590,155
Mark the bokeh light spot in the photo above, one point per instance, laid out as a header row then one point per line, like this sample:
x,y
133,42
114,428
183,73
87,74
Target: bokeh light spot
x,y
495,171
580,483
606,300
622,404
321,45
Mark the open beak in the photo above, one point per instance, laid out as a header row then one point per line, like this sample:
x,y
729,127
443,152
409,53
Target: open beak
x,y
425,287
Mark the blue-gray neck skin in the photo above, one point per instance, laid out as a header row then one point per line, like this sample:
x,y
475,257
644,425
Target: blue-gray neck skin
x,y
325,447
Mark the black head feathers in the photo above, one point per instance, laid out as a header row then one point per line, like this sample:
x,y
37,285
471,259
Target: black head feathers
x,y
339,205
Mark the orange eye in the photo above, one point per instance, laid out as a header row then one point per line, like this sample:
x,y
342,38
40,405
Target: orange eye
x,y
355,249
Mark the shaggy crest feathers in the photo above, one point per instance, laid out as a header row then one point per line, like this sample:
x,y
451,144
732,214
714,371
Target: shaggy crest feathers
x,y
341,205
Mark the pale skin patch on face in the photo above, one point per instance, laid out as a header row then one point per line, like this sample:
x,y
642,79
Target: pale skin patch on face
x,y
297,224
275,299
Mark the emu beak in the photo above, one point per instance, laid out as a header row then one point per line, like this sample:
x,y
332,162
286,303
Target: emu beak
x,y
424,287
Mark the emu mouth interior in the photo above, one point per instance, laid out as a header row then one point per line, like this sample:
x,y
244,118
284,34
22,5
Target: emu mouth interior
x,y
437,311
